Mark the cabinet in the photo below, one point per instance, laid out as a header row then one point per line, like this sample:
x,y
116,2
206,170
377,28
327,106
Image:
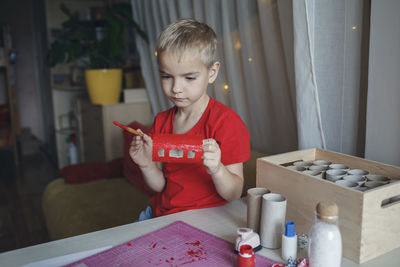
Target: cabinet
x,y
10,129
98,138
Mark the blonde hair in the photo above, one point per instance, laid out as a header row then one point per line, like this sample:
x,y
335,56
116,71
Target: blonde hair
x,y
186,34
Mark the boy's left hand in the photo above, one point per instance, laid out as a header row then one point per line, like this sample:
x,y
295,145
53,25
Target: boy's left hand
x,y
211,156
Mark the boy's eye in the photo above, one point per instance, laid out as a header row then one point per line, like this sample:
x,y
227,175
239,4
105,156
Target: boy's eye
x,y
190,78
165,76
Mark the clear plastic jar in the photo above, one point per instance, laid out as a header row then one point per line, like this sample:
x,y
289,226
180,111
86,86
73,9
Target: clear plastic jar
x,y
325,241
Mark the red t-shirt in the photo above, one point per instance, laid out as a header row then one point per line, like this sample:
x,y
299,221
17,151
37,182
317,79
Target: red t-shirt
x,y
188,185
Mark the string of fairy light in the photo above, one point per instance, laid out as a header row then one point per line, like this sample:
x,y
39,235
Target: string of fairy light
x,y
238,46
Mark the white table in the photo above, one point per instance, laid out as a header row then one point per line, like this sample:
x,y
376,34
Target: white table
x,y
220,221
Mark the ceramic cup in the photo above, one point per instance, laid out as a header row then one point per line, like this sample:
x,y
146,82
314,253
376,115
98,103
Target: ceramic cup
x,y
339,167
254,201
357,172
378,178
355,178
272,223
297,168
334,175
322,162
346,183
302,163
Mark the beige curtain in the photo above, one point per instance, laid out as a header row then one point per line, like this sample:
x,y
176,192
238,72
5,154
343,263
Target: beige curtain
x,y
257,65
330,78
295,70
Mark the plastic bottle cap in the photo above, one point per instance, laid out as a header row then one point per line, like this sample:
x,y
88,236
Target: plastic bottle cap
x,y
289,229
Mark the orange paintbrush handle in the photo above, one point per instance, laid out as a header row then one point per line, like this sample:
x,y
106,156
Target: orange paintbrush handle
x,y
126,128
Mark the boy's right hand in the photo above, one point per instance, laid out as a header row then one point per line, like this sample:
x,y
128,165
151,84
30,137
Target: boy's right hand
x,y
141,150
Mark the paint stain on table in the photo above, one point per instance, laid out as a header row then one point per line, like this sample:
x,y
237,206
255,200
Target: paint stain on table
x,y
177,244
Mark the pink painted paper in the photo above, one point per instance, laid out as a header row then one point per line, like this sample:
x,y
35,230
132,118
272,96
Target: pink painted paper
x,y
177,244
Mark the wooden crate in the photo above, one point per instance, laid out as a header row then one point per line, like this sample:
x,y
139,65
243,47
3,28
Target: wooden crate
x,y
368,227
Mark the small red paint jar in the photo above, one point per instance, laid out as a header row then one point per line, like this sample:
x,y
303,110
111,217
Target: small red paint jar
x,y
246,256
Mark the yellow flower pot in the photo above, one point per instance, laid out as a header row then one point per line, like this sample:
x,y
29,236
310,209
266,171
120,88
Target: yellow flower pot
x,y
104,86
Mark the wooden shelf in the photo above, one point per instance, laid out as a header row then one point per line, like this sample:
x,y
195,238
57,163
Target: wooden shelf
x,y
70,88
12,97
66,131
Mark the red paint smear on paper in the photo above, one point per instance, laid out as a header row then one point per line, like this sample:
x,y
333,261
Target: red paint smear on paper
x,y
187,262
197,243
192,255
171,259
154,245
195,253
129,244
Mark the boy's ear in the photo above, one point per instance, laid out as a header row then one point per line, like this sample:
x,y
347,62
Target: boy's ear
x,y
213,72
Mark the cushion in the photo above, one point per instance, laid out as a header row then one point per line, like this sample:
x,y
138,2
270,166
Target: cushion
x,y
130,170
91,171
75,209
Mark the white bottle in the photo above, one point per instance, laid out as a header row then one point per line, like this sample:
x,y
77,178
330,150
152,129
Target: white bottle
x,y
289,242
72,150
73,153
325,241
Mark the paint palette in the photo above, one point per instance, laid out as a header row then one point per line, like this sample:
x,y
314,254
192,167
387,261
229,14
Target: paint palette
x,y
177,244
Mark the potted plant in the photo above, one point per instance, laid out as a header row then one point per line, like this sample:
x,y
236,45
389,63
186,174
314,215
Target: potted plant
x,y
99,47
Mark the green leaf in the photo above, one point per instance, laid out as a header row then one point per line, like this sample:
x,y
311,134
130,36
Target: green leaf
x,y
77,39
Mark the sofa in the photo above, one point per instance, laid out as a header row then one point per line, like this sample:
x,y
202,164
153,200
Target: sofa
x,y
95,196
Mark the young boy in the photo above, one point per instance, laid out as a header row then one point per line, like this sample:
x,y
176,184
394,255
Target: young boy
x,y
186,57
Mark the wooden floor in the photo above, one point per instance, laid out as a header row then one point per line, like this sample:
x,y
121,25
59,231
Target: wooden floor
x,y
21,217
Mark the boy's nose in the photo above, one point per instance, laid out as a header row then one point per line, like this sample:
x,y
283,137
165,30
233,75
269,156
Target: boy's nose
x,y
176,89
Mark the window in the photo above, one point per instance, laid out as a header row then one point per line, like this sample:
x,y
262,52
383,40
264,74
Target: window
x,y
176,153
191,154
160,152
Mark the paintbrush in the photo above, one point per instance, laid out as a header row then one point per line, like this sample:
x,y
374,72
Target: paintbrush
x,y
126,128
